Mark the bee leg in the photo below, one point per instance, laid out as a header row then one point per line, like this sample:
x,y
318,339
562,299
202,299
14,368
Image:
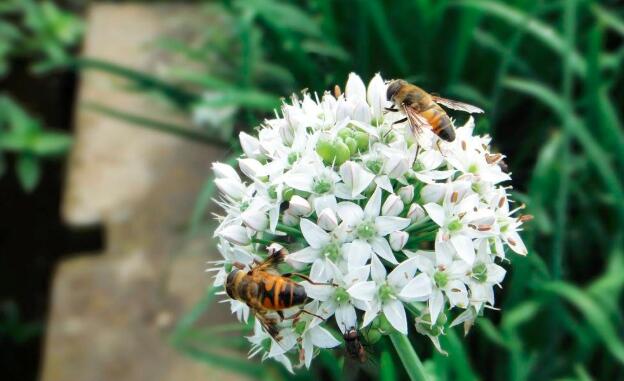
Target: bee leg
x,y
302,311
238,265
400,121
305,277
391,109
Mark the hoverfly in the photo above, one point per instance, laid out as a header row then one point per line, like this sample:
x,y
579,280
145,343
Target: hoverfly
x,y
264,290
423,109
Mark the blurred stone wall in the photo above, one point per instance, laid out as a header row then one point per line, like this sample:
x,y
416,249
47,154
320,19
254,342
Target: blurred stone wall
x,y
112,311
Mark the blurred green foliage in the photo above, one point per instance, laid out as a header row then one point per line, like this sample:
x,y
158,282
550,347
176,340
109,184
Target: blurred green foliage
x,y
549,75
41,33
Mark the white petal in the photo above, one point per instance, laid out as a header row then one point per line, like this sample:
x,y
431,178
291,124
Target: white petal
x,y
306,255
251,168
373,206
495,273
322,338
363,290
346,317
383,182
464,247
308,352
378,271
382,248
457,293
516,244
376,95
325,202
222,170
418,289
318,292
299,181
388,224
350,213
395,313
313,234
355,90
436,303
403,273
371,313
357,252
436,213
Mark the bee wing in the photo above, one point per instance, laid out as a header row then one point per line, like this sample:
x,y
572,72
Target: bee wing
x,y
455,105
415,120
271,261
268,324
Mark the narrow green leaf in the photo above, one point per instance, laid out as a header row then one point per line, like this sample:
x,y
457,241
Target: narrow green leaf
x,y
609,18
598,320
156,125
517,18
387,372
28,171
379,18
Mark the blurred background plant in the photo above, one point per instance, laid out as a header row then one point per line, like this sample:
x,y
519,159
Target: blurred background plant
x,y
44,34
549,75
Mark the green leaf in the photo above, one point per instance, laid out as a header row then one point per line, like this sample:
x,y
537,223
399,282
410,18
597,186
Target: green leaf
x,y
595,315
28,171
377,13
538,29
51,144
609,18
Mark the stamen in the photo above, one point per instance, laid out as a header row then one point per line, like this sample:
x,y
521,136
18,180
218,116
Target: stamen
x,y
463,145
337,91
525,218
501,202
454,197
511,241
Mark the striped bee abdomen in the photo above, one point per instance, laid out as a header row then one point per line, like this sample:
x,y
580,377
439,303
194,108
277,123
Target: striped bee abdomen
x,y
440,123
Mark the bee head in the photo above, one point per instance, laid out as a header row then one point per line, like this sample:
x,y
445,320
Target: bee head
x,y
351,335
394,87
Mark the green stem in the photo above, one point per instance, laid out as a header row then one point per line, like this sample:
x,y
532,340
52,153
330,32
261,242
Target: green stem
x,y
428,236
289,229
261,241
412,364
418,225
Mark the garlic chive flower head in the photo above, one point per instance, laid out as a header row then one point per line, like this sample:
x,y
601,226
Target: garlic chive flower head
x,y
391,232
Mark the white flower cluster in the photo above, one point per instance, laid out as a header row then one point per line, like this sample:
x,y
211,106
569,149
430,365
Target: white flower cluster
x,y
384,220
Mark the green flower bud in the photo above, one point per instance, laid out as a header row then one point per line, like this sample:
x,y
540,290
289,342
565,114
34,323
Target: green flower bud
x,y
325,150
345,133
371,335
341,153
288,193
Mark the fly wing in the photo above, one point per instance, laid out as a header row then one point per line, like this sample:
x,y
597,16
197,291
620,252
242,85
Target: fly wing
x,y
275,257
455,105
269,325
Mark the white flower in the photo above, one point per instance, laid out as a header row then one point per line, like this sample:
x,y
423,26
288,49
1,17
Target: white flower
x,y
370,228
323,245
398,240
393,206
312,334
337,299
355,178
231,254
401,285
327,219
446,276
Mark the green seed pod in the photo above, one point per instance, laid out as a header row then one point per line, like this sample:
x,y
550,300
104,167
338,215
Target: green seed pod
x,y
325,150
352,144
345,133
362,140
341,153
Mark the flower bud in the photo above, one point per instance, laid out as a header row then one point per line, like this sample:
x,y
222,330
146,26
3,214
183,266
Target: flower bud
x,y
250,145
289,219
255,220
235,234
398,239
232,188
393,206
226,171
327,219
252,168
407,194
299,206
415,213
396,168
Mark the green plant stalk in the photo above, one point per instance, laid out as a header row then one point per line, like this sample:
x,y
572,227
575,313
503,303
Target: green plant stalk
x,y
289,229
412,364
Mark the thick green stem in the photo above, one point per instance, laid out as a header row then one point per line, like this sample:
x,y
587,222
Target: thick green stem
x,y
412,364
418,225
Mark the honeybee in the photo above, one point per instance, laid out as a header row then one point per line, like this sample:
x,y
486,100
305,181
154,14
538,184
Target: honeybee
x,y
264,290
423,109
353,345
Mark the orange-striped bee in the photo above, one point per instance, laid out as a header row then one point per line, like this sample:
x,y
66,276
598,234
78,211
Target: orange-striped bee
x,y
423,109
264,290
